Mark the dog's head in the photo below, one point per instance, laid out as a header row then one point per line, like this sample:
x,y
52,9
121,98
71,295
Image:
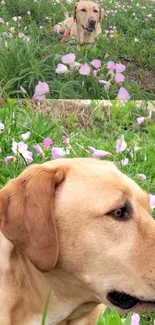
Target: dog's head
x,y
87,218
88,14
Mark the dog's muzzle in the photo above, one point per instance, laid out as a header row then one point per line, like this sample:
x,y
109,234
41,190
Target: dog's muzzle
x,y
91,26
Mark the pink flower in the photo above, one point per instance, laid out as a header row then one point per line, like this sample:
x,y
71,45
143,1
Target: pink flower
x,y
84,70
123,94
125,161
121,145
28,156
96,64
152,201
19,147
41,89
61,68
119,67
21,35
56,28
119,77
105,83
135,319
26,135
15,18
65,139
22,148
23,90
140,120
111,65
141,176
47,143
1,20
38,148
6,159
2,127
58,152
99,153
68,58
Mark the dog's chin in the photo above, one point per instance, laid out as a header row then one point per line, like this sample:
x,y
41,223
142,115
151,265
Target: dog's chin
x,y
125,301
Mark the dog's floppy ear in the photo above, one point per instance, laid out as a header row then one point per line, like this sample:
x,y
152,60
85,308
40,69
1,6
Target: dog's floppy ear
x,y
74,11
27,214
101,14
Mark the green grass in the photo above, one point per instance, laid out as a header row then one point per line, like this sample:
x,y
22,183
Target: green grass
x,y
24,64
105,128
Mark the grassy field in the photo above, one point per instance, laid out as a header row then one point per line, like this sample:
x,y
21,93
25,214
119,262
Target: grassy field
x,y
30,51
105,127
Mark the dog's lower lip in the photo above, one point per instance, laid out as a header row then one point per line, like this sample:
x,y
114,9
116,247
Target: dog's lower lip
x,y
124,300
89,29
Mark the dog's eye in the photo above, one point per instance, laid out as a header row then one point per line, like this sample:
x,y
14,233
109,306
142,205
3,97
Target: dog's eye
x,y
84,10
119,213
95,10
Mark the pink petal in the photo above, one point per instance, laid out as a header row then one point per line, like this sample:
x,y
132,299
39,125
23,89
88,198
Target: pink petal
x,y
152,201
47,143
42,88
22,147
111,65
26,135
6,159
123,94
120,67
57,153
2,127
65,139
68,58
96,64
119,77
40,97
38,148
140,120
84,70
99,153
135,319
121,145
56,28
125,161
28,156
23,90
61,68
141,176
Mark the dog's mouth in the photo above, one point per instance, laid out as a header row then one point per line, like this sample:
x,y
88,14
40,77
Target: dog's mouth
x,y
124,300
89,29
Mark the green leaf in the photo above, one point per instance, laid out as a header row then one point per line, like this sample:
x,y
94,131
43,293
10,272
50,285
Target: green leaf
x,y
45,310
128,319
101,320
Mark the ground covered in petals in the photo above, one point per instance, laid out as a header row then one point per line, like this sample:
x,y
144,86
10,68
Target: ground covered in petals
x,y
120,64
123,132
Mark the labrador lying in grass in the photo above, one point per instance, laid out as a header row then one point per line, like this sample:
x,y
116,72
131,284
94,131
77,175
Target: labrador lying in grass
x,y
85,24
80,229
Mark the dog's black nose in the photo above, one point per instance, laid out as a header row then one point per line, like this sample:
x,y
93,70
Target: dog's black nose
x,y
92,22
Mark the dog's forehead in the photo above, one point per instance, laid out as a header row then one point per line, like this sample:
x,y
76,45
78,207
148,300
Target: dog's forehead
x,y
87,4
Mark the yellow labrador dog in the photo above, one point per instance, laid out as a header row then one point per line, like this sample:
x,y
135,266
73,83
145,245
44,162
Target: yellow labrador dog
x,y
80,229
85,24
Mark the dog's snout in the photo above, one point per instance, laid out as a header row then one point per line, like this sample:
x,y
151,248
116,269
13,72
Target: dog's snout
x,y
92,22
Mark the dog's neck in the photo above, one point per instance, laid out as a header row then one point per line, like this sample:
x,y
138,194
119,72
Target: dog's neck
x,y
26,291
